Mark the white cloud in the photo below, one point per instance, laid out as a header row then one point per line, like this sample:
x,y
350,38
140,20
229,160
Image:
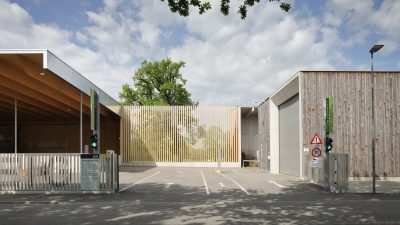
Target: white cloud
x,y
229,61
81,37
20,31
239,62
149,34
362,19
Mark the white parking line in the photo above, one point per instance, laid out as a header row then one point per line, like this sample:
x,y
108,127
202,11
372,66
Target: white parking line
x,y
131,216
279,185
168,185
138,182
205,183
221,184
240,186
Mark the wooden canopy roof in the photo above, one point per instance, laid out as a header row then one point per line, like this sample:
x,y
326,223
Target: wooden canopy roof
x,y
42,95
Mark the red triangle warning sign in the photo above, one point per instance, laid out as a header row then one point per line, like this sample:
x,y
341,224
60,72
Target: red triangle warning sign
x,y
316,140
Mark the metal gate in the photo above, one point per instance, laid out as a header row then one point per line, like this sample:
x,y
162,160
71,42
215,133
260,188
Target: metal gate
x,y
53,172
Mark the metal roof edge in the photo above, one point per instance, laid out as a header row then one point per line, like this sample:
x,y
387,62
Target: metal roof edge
x,y
66,72
69,74
296,75
352,71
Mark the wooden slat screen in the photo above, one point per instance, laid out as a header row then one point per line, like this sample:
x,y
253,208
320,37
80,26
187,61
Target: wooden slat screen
x,y
179,133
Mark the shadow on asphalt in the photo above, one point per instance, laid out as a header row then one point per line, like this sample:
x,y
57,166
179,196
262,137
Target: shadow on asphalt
x,y
132,169
150,203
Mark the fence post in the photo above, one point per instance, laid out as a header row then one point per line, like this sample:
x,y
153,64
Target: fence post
x,y
337,187
116,172
219,159
327,171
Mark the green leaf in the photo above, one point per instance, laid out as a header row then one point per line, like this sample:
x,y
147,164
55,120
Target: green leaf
x,y
157,83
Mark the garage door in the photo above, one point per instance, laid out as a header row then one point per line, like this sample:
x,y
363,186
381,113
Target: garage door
x,y
289,153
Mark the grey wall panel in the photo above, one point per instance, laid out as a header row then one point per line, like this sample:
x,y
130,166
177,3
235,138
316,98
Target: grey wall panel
x,y
249,131
289,154
263,134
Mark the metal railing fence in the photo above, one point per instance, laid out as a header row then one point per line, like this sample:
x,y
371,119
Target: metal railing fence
x,y
52,172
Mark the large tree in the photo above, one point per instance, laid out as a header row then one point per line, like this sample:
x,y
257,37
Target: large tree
x,y
157,83
182,6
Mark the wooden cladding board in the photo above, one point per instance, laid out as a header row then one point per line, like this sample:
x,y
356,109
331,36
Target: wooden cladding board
x,y
352,117
179,133
57,138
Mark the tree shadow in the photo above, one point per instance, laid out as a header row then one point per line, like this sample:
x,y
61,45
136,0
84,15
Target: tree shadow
x,y
151,203
135,169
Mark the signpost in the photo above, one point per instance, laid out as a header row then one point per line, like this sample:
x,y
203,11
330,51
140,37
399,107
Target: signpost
x,y
90,171
317,162
316,152
316,140
94,121
94,107
329,115
328,140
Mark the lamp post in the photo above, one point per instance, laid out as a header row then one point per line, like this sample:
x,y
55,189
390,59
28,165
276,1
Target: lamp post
x,y
373,50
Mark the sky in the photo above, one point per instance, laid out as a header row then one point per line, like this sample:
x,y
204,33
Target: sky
x,y
229,61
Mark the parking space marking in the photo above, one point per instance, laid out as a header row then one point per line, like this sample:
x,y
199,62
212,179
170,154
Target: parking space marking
x,y
168,185
205,183
240,186
221,184
138,182
129,216
279,185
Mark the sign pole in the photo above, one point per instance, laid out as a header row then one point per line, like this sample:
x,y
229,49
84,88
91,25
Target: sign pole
x,y
219,156
95,120
81,124
328,130
15,125
98,124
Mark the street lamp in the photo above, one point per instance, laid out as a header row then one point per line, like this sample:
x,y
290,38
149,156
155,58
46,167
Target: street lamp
x,y
373,50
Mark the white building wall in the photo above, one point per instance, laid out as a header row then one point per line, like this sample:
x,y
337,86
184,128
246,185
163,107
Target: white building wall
x,y
288,90
274,137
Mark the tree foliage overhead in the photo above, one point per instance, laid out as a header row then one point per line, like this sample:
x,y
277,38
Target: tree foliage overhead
x,y
157,83
182,6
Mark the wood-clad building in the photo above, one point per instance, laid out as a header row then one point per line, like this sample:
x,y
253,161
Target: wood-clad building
x,y
295,112
45,106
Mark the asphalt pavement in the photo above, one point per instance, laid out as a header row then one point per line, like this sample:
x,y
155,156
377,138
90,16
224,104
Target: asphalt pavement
x,y
203,196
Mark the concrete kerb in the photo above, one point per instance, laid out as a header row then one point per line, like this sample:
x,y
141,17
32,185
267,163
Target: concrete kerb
x,y
56,192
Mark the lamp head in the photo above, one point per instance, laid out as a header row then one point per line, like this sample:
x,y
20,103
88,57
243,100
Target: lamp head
x,y
375,48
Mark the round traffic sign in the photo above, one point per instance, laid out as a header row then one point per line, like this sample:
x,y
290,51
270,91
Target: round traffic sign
x,y
316,152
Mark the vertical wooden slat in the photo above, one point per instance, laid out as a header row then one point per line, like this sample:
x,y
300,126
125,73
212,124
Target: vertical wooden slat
x,y
133,129
153,133
174,143
139,135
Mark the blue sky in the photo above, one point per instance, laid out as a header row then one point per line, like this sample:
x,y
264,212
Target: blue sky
x,y
229,61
